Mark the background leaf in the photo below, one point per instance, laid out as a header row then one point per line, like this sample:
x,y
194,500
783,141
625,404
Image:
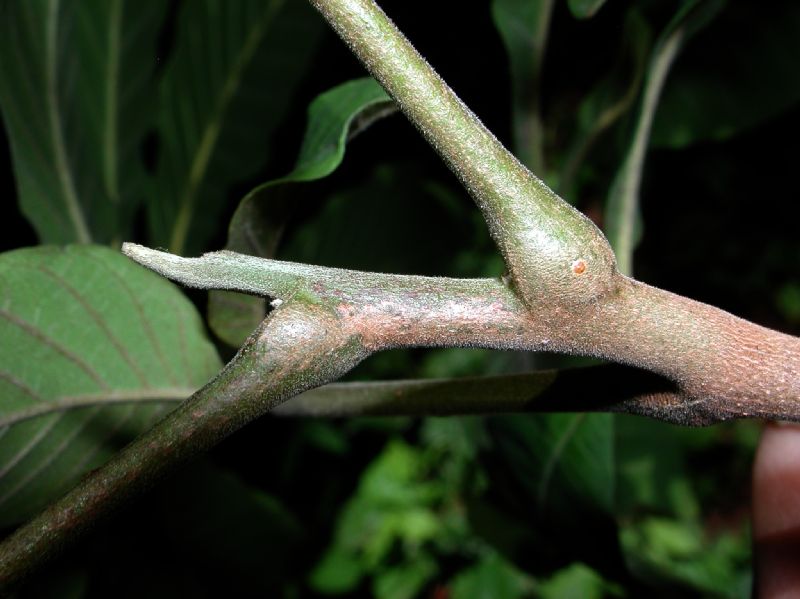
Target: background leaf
x,y
490,577
334,117
549,476
79,323
561,460
607,102
224,92
584,9
523,26
76,162
739,72
623,219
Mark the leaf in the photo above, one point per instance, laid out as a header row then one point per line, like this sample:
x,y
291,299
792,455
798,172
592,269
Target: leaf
x,y
225,90
405,581
84,324
248,538
338,572
610,99
622,219
334,118
577,581
740,72
391,508
652,470
491,577
585,9
676,553
549,477
75,94
563,464
523,26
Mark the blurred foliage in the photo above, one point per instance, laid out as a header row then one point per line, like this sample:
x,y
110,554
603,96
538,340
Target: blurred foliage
x,y
514,506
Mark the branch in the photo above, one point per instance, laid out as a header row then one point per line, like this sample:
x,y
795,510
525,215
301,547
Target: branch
x,y
722,366
562,267
297,347
551,250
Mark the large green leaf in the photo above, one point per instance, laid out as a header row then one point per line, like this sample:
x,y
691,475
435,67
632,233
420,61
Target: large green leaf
x,y
84,324
334,117
75,94
226,88
741,71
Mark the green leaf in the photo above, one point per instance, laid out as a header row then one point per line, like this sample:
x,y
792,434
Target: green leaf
x,y
622,218
523,26
404,581
338,572
225,90
676,553
652,470
564,462
584,9
491,577
577,581
76,99
334,118
741,72
83,325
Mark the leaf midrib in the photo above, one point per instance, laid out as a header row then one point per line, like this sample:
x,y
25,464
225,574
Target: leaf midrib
x,y
213,128
97,398
111,121
56,132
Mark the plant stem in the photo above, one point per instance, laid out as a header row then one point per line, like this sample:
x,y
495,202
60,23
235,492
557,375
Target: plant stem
x,y
296,348
541,236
